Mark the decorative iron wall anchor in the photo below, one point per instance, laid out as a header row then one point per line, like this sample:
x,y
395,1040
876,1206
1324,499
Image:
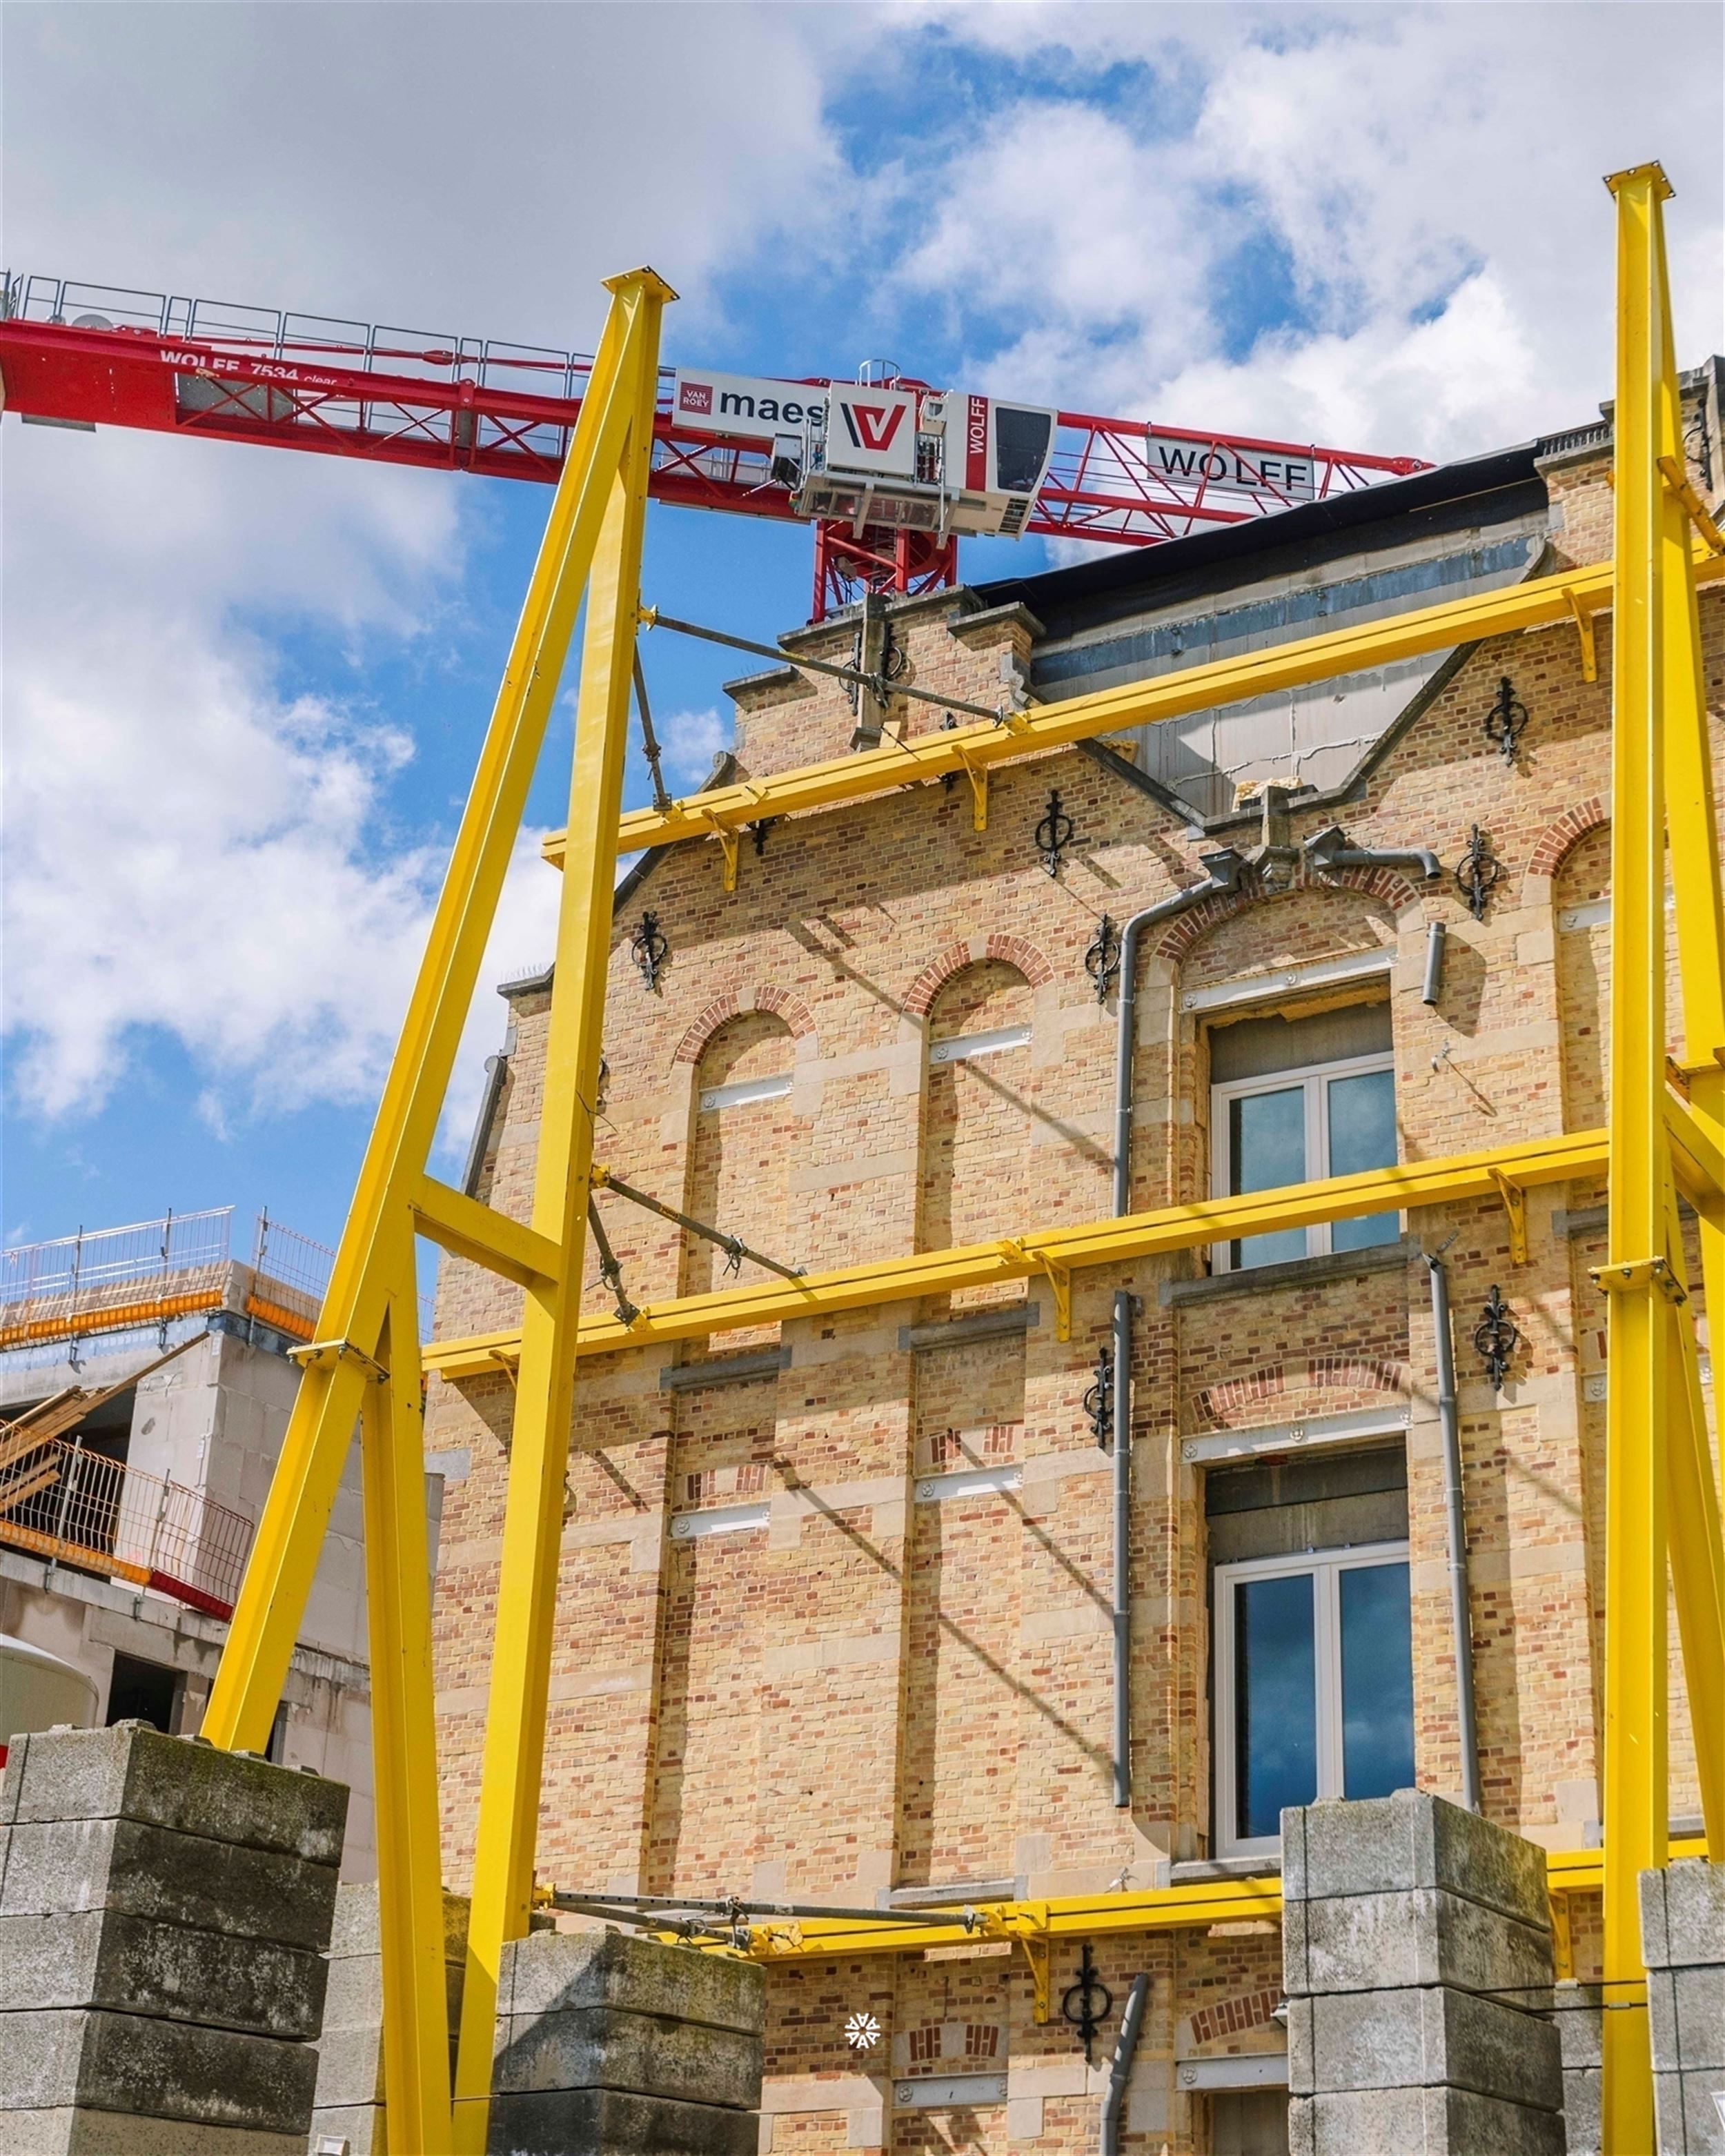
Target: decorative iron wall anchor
x,y
1496,1338
1506,720
1099,1399
1088,2005
1053,834
650,949
1477,873
1101,962
758,831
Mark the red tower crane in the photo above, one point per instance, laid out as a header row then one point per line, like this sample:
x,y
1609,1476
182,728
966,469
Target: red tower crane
x,y
81,355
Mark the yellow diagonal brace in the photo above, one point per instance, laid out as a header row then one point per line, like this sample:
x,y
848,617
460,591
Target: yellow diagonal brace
x,y
410,1901
1639,1326
278,1577
1577,1155
539,1452
1697,1558
1537,603
465,1229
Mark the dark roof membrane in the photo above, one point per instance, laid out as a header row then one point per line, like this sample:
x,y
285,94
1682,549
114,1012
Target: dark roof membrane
x,y
1479,491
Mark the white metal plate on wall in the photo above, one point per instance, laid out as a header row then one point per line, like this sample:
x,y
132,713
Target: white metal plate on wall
x,y
968,1483
1360,966
719,1520
745,1091
967,1045
1291,1436
950,2092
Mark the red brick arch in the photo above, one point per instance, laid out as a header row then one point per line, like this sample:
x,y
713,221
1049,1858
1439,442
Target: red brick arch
x,y
778,1002
1187,929
1557,838
1218,1404
1009,950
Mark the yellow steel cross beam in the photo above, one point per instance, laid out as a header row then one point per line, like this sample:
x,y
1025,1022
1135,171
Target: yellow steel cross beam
x,y
364,1364
1575,1155
1575,595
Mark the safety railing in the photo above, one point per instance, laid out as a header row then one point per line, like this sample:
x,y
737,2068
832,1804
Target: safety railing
x,y
62,1500
102,1280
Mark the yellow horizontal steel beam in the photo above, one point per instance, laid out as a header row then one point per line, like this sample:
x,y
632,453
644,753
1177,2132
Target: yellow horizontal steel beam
x,y
467,1229
1574,595
1697,1162
1090,1915
1459,1177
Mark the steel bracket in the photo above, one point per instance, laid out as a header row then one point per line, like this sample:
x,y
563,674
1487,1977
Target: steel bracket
x,y
325,1354
728,845
1036,1954
978,775
1677,479
1515,1207
1637,1273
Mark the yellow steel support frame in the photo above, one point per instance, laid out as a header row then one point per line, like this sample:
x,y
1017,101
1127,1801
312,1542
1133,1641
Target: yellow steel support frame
x,y
365,1364
1660,1501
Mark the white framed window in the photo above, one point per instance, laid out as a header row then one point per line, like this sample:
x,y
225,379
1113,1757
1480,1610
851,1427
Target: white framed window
x,y
1314,1686
1286,1106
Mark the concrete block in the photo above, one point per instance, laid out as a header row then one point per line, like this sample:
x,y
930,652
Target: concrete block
x,y
1423,1935
554,1972
613,2122
139,2064
354,1928
70,2132
1683,1914
355,1996
361,2125
1685,2011
1420,2122
1391,1845
1583,2110
1416,2039
651,2054
1690,2110
132,1965
134,1772
67,1865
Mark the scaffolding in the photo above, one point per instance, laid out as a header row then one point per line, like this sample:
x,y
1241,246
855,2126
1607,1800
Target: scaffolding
x,y
366,1361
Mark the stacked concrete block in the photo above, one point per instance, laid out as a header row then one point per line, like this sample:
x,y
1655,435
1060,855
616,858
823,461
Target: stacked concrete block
x,y
164,1908
1578,2010
348,2102
1417,1961
615,2046
1683,1944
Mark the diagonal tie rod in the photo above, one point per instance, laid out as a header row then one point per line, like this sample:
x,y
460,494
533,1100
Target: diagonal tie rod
x,y
735,1249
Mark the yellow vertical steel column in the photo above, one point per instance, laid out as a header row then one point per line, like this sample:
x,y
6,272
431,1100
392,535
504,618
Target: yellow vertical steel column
x,y
1697,1548
410,1902
278,1576
1638,1338
533,1516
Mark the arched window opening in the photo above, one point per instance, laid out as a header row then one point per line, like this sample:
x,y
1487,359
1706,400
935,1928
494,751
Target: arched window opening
x,y
746,1145
978,1180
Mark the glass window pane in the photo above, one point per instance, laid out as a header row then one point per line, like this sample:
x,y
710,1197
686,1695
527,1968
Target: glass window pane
x,y
1362,1135
1377,1682
1267,1148
1274,1702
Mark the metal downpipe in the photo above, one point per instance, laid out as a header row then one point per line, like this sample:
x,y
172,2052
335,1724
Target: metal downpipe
x,y
1126,2044
1225,872
1461,1619
1330,849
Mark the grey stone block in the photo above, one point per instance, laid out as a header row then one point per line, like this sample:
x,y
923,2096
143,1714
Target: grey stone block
x,y
354,1997
361,2125
139,2064
1423,1935
1420,2122
601,2047
354,1930
1686,2012
1691,2113
613,2122
134,1772
1578,2011
553,1972
1582,2110
1683,1914
1391,1845
75,2133
1406,2039
103,1958
67,1865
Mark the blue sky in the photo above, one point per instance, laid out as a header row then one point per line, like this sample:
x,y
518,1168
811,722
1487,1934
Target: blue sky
x,y
244,690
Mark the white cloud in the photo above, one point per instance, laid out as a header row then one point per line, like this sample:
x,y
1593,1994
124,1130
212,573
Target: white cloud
x,y
689,741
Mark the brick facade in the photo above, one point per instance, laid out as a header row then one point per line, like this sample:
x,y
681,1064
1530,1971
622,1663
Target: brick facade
x,y
881,1685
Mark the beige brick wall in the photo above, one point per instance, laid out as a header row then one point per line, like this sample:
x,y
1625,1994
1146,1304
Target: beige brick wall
x,y
875,1688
